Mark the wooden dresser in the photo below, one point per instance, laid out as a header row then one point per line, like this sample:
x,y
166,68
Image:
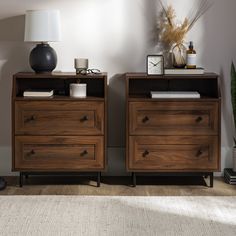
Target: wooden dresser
x,y
60,133
173,135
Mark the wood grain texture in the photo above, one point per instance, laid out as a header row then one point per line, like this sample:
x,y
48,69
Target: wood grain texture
x,y
59,153
60,83
172,135
59,134
173,153
139,75
142,86
59,118
62,75
173,118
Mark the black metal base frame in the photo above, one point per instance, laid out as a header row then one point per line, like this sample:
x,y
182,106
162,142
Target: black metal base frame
x,y
204,174
27,174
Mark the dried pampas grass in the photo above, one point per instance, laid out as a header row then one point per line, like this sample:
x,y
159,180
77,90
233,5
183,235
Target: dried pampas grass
x,y
173,33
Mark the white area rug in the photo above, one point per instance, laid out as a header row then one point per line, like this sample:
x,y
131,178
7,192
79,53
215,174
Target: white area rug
x,y
118,216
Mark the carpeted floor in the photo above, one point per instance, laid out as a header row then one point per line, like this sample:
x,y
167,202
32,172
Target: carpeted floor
x,y
107,215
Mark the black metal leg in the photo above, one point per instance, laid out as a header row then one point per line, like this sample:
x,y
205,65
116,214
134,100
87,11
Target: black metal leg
x,y
211,179
98,179
21,180
134,179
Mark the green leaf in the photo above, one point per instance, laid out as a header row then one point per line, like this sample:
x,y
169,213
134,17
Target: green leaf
x,y
233,91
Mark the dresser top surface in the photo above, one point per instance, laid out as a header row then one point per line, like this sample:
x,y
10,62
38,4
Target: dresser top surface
x,y
63,75
177,76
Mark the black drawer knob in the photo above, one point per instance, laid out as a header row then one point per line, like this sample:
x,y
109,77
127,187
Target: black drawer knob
x,y
32,152
145,153
85,152
84,118
199,119
145,119
199,153
31,118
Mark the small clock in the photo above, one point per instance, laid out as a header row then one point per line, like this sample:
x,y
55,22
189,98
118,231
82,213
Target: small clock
x,y
155,65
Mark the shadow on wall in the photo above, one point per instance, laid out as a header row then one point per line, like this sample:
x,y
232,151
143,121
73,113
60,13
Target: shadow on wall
x,y
219,45
152,13
156,17
219,51
132,60
225,119
116,115
12,29
13,58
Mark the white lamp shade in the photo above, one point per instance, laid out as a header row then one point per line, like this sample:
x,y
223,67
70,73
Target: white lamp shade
x,y
42,26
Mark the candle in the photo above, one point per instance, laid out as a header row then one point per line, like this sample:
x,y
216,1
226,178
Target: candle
x,y
78,90
81,63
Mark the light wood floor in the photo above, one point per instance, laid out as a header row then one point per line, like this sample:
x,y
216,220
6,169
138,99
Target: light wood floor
x,y
119,186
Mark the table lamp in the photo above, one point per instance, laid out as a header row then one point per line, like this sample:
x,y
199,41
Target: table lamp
x,y
42,26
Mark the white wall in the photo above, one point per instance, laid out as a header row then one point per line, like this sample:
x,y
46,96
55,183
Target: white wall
x,y
116,36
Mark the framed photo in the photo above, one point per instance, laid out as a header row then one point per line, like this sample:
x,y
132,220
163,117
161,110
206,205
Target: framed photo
x,y
155,65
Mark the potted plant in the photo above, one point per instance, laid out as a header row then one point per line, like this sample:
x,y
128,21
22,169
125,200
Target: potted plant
x,y
233,101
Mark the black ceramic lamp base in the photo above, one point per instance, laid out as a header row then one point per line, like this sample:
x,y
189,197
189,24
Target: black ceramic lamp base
x,y
3,183
43,58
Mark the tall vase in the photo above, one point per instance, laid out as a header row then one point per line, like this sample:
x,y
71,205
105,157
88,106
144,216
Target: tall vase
x,y
179,55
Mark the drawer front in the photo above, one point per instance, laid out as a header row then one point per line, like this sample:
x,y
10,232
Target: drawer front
x,y
59,153
173,153
173,118
59,118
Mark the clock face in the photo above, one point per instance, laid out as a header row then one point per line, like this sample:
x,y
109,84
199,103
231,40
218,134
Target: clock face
x,y
155,65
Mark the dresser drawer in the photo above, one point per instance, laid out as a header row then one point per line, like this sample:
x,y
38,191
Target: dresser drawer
x,y
173,153
173,118
39,153
59,118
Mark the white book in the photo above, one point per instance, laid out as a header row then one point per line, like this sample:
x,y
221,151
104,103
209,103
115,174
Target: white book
x,y
174,94
38,93
197,71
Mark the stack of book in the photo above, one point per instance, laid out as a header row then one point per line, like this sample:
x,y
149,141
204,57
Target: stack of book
x,y
197,71
174,94
38,93
230,176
